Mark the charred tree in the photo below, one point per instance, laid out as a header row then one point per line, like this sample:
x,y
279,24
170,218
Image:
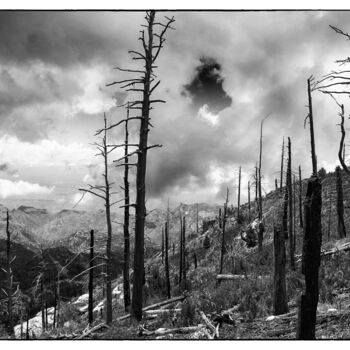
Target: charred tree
x,y
239,196
126,265
167,276
184,248
276,185
249,200
181,248
162,245
197,219
105,193
312,242
300,199
220,218
223,244
340,204
290,207
329,215
282,159
195,260
261,231
91,278
280,305
9,276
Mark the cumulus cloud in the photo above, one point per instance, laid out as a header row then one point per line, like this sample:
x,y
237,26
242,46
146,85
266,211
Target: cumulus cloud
x,y
21,188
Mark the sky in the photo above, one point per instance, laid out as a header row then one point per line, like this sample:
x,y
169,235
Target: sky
x,y
221,73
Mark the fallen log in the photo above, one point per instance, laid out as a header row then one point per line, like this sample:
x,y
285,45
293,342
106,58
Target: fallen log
x,y
164,331
150,307
93,329
230,277
161,311
230,311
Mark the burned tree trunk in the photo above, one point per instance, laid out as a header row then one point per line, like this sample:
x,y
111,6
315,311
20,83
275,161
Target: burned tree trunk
x,y
280,295
91,278
340,204
239,196
282,159
162,245
311,259
294,216
167,276
184,248
249,200
276,185
300,199
220,218
290,207
195,260
197,221
223,234
311,244
9,276
181,247
126,265
329,216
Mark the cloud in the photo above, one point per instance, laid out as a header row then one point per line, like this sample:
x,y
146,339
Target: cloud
x,y
7,169
206,87
21,188
205,115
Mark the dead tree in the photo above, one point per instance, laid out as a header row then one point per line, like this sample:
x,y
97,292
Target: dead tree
x,y
282,159
126,265
184,248
197,219
300,199
195,260
105,193
91,278
280,305
9,276
285,209
340,204
162,245
276,185
312,242
249,199
152,43
167,276
223,233
220,218
329,215
290,207
260,232
181,248
239,196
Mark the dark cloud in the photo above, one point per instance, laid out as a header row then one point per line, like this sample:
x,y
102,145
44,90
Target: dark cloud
x,y
206,86
7,169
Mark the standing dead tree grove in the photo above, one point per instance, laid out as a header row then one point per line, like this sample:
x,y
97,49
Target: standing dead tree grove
x,y
290,207
152,43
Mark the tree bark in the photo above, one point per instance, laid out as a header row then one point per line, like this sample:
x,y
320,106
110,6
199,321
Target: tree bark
x,y
280,305
91,278
311,259
181,248
340,205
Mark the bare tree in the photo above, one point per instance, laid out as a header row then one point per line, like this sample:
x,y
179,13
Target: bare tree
x,y
223,244
105,193
9,276
261,230
249,199
282,159
239,196
181,249
184,266
91,278
290,206
300,199
167,255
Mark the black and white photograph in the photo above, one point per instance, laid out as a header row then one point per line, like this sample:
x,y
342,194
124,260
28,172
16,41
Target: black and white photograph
x,y
174,174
